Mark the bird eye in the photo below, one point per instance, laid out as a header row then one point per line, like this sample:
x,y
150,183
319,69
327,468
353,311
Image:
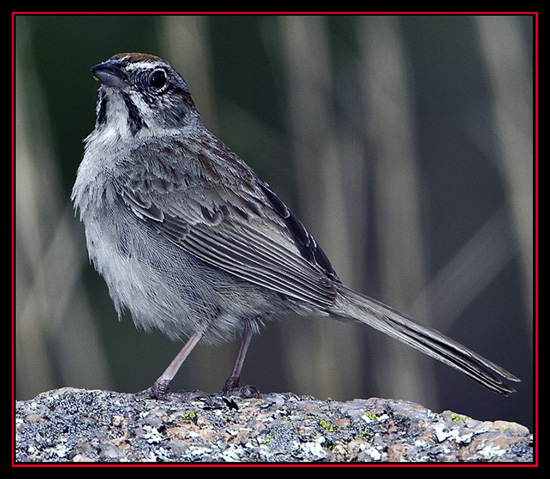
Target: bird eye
x,y
158,78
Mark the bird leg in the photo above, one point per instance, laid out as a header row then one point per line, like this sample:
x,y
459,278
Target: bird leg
x,y
231,386
161,388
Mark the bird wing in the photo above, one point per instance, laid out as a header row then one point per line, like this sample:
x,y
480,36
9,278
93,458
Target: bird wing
x,y
236,224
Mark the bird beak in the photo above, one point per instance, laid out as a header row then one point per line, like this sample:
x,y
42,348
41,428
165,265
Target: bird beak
x,y
110,73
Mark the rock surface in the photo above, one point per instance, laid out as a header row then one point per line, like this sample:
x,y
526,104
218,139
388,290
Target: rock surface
x,y
103,426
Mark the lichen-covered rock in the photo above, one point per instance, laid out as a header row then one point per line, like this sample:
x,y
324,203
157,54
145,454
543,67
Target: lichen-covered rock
x,y
91,425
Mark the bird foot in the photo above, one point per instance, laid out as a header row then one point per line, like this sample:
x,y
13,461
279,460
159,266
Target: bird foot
x,y
160,391
232,388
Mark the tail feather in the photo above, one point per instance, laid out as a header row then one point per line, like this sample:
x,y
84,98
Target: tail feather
x,y
352,305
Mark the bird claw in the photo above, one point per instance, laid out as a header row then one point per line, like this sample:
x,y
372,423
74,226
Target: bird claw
x,y
232,388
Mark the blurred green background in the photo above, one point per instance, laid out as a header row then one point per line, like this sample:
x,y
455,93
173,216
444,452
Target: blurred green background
x,y
404,143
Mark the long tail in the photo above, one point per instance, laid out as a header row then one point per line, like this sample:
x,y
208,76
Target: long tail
x,y
352,305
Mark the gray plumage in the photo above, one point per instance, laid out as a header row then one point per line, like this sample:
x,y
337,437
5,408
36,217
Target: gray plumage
x,y
193,242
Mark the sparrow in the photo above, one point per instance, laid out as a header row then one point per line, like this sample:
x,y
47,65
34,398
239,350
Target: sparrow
x,y
193,242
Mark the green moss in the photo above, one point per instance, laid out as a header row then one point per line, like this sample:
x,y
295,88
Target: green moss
x,y
189,415
371,416
327,426
456,418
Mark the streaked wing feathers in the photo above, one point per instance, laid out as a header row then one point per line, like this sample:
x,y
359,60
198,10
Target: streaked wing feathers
x,y
264,244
